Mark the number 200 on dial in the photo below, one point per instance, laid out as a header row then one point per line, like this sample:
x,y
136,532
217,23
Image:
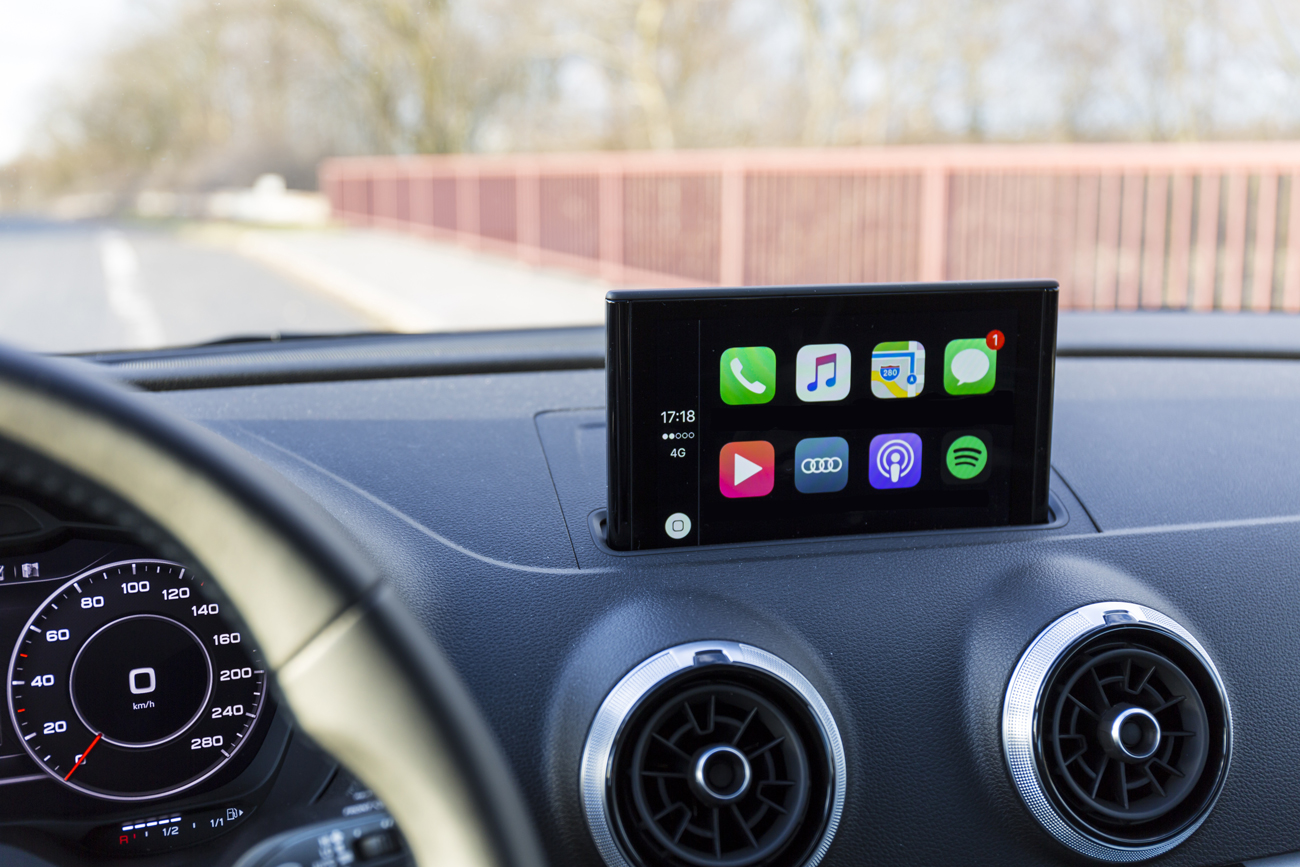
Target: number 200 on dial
x,y
128,683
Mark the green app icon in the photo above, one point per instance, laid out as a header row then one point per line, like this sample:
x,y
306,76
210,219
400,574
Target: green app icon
x,y
747,374
967,457
969,367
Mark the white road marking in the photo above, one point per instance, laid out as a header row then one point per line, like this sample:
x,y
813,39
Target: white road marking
x,y
121,282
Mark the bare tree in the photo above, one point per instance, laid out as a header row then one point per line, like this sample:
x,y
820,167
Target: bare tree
x,y
215,93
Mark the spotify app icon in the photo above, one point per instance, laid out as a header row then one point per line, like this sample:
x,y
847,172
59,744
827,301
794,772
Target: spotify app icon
x,y
966,457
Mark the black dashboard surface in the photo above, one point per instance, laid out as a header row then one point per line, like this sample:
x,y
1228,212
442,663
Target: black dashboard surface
x,y
1174,486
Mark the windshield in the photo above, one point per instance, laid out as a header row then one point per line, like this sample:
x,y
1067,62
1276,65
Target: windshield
x,y
179,171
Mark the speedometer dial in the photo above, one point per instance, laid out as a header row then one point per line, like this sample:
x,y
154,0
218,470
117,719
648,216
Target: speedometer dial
x,y
128,683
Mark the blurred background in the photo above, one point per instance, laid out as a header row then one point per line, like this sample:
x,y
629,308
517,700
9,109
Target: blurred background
x,y
181,170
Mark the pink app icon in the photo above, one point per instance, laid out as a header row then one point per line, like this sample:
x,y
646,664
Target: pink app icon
x,y
747,469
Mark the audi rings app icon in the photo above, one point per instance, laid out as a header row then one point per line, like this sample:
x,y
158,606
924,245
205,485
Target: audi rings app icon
x,y
821,465
895,461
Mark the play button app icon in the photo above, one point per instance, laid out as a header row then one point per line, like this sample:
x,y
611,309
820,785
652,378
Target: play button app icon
x,y
747,469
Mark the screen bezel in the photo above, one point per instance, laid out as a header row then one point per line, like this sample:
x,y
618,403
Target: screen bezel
x,y
632,315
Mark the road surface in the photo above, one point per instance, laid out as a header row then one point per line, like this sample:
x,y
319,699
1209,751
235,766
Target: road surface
x,y
79,287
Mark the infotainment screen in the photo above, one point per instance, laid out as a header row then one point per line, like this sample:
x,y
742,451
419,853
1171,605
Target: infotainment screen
x,y
742,415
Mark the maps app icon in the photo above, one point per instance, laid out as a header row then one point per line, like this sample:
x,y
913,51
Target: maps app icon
x,y
897,369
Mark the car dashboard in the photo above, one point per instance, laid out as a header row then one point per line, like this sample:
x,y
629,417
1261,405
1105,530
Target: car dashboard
x,y
474,475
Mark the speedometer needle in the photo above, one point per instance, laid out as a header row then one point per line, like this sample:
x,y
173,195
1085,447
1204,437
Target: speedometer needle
x,y
86,753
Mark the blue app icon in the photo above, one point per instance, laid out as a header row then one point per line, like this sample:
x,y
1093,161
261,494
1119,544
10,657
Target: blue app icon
x,y
821,465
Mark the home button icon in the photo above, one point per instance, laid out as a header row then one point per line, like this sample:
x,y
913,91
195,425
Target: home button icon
x,y
678,525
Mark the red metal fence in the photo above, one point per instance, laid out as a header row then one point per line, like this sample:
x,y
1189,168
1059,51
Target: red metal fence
x,y
1206,226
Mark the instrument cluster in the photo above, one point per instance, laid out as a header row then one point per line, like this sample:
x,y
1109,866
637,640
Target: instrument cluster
x,y
136,704
127,683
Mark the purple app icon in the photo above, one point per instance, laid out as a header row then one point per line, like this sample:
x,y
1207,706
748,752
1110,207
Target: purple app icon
x,y
894,461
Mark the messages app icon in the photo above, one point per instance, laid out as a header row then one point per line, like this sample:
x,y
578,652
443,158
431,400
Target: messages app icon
x,y
969,366
747,374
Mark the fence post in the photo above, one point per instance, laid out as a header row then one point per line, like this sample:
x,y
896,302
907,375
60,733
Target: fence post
x,y
467,217
934,223
1180,240
419,198
1291,268
1261,294
1207,242
528,213
382,179
731,231
610,223
1234,239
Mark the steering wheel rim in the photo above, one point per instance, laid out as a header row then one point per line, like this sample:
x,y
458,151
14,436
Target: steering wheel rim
x,y
358,673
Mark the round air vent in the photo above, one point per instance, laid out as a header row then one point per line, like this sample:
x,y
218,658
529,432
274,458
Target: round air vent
x,y
1117,731
713,754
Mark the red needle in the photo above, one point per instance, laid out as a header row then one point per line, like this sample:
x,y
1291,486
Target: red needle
x,y
83,755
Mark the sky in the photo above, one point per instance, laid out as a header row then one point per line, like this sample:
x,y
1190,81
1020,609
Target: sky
x,y
43,43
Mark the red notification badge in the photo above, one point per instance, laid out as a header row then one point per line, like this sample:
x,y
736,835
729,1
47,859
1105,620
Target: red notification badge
x,y
996,340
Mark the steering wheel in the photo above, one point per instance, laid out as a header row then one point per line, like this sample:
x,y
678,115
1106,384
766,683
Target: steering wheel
x,y
358,673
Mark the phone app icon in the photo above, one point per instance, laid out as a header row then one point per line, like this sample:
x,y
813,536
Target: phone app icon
x,y
969,366
747,469
966,457
821,465
823,371
747,374
897,369
895,461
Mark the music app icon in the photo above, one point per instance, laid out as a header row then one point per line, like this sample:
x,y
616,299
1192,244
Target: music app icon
x,y
823,371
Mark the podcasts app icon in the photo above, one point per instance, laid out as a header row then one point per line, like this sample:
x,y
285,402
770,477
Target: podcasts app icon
x,y
894,461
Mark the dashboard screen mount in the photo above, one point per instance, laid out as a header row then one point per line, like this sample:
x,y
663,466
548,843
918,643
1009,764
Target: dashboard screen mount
x,y
746,415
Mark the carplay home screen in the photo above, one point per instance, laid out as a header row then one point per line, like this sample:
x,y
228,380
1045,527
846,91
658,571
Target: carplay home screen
x,y
828,420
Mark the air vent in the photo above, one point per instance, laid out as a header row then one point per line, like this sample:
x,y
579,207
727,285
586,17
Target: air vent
x,y
717,775
1117,731
713,761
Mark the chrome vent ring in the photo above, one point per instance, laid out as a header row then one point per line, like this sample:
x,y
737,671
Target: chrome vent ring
x,y
713,754
1116,730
